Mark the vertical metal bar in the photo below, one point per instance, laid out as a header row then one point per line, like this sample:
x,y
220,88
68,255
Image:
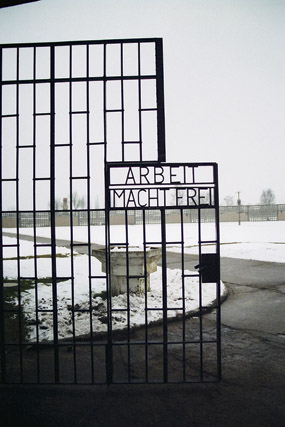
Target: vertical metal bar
x,y
34,215
2,316
218,296
88,212
18,215
160,101
145,298
71,213
183,293
164,295
128,293
200,298
109,346
122,104
52,211
140,100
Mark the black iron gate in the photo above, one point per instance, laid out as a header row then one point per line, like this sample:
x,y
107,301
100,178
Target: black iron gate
x,y
142,262
82,142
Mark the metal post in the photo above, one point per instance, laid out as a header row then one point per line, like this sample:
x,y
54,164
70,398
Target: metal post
x,y
52,211
239,205
2,317
218,293
164,296
160,101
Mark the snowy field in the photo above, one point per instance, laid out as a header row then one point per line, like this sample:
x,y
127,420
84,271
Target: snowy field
x,y
259,241
264,241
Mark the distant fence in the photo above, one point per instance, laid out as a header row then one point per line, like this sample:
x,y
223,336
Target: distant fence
x,y
97,217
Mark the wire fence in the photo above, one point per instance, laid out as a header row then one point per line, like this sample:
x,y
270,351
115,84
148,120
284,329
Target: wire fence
x,y
84,217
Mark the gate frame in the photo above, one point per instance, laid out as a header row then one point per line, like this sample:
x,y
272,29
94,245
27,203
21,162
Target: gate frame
x,y
203,263
161,157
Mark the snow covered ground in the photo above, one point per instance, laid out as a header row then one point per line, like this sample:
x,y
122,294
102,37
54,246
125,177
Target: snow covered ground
x,y
264,241
260,241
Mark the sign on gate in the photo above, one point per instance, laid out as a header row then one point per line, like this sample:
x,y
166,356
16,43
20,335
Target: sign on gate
x,y
165,185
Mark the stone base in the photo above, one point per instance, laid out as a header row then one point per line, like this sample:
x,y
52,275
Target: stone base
x,y
137,259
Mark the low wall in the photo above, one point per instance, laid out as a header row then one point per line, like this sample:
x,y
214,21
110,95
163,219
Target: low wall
x,y
227,214
8,222
233,216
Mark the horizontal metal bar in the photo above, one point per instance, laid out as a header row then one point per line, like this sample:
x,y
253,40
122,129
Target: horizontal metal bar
x,y
56,210
154,343
158,208
163,382
25,146
114,111
80,43
79,177
61,343
118,244
79,112
76,79
96,143
155,186
157,163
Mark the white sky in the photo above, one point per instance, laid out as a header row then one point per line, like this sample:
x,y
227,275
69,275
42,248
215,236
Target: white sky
x,y
224,69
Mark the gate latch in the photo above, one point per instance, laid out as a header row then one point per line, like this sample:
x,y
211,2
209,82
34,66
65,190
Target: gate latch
x,y
209,268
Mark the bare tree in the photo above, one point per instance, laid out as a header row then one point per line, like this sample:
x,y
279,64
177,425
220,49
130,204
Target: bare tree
x,y
77,201
267,197
229,201
97,204
57,204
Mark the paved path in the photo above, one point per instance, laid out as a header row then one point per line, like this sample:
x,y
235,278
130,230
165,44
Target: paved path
x,y
256,301
251,393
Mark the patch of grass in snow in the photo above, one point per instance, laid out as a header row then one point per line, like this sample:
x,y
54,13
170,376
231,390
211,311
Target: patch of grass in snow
x,y
102,295
13,318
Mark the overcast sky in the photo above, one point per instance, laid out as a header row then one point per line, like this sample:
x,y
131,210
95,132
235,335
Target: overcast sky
x,y
224,70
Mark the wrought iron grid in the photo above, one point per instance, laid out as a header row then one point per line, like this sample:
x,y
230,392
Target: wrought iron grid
x,y
44,130
170,345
